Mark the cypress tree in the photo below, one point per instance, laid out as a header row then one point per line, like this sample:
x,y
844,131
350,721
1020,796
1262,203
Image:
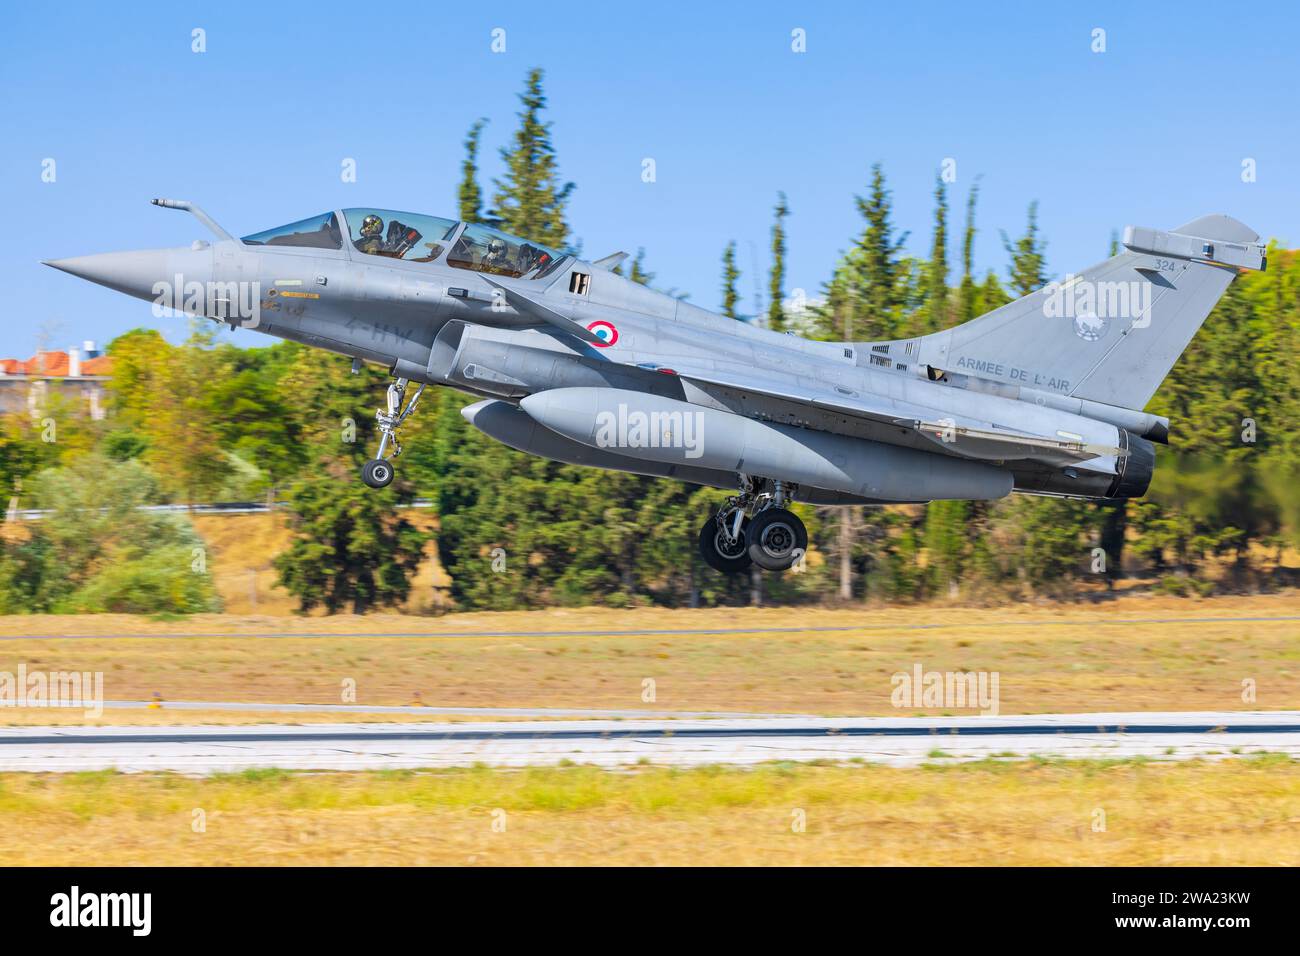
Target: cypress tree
x,y
776,293
863,302
968,297
865,296
730,276
936,306
638,273
1028,271
470,196
881,269
489,496
529,200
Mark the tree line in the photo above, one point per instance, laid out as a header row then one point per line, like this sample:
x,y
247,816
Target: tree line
x,y
205,420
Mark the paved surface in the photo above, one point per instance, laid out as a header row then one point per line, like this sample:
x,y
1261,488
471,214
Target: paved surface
x,y
1096,621
896,741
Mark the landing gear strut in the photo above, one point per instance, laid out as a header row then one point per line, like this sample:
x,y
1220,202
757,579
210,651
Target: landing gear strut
x,y
378,471
754,527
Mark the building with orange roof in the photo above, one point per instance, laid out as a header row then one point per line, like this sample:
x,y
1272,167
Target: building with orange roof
x,y
82,372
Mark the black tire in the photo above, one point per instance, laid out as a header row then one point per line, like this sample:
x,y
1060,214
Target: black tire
x,y
377,473
717,554
776,539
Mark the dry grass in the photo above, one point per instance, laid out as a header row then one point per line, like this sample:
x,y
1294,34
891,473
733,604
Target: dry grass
x,y
240,550
242,547
1241,812
164,717
1045,666
609,619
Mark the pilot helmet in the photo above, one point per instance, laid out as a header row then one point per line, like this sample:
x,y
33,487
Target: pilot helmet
x,y
372,225
497,248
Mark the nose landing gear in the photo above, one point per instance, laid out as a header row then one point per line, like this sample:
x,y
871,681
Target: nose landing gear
x,y
754,528
378,471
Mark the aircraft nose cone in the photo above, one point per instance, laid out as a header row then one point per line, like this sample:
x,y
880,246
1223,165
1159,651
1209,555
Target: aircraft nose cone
x,y
131,272
139,273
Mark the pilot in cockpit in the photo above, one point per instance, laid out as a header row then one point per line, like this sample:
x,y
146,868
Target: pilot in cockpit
x,y
498,256
372,235
531,257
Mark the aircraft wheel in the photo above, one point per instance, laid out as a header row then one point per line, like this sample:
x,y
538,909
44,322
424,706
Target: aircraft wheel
x,y
720,552
776,539
377,473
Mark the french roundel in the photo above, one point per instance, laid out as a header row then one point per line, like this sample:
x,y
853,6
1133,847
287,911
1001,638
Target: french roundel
x,y
604,331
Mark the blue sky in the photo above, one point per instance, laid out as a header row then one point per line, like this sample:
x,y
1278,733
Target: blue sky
x,y
1151,132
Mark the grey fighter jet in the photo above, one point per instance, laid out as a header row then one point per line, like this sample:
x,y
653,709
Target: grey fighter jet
x,y
578,364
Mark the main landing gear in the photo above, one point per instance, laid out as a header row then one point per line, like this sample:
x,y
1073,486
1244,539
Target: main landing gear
x,y
378,471
754,527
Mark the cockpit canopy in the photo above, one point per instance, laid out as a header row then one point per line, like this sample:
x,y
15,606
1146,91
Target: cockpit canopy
x,y
398,235
484,249
415,237
318,232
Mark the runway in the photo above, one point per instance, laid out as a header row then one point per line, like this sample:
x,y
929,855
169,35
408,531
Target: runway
x,y
896,741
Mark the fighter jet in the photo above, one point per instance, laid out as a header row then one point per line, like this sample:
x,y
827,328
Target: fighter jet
x,y
575,363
